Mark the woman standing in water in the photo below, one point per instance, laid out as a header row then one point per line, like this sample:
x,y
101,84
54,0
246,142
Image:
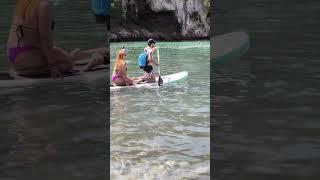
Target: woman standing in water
x,y
30,46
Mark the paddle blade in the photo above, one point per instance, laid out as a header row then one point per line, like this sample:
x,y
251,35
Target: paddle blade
x,y
160,81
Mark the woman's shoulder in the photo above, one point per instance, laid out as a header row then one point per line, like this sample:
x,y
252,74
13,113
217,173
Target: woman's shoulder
x,y
124,63
44,6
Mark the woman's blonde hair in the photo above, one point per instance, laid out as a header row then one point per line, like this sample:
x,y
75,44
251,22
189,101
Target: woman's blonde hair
x,y
120,59
25,8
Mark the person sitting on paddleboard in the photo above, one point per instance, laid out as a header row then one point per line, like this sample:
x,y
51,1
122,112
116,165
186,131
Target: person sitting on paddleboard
x,y
30,43
119,74
149,76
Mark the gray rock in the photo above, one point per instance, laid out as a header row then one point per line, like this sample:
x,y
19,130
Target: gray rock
x,y
189,16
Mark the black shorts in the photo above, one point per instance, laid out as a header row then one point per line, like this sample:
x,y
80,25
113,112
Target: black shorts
x,y
148,69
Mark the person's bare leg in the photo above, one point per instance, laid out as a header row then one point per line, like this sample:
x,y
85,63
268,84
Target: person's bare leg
x,y
72,56
96,55
64,60
75,53
82,54
153,76
141,79
95,60
135,78
129,81
33,62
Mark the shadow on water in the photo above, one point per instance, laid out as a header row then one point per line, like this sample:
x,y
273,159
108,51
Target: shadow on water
x,y
62,136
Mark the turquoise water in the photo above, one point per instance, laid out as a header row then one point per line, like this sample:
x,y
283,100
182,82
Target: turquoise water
x,y
55,131
163,133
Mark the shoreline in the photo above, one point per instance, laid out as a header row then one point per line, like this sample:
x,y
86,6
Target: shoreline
x,y
167,40
171,38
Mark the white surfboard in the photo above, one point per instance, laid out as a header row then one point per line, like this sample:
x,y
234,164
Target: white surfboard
x,y
228,46
10,80
167,79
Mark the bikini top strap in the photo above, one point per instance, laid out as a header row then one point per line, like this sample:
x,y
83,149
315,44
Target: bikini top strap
x,y
19,33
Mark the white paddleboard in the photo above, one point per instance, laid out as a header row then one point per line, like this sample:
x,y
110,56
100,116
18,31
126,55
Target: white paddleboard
x,y
228,46
7,80
167,79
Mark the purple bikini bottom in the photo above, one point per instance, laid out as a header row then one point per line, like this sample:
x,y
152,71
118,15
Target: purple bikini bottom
x,y
13,52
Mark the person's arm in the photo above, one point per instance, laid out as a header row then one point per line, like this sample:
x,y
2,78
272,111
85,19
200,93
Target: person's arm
x,y
151,61
154,49
46,44
45,20
124,72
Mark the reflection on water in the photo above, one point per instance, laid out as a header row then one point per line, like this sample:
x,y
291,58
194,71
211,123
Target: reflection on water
x,y
163,133
55,131
59,136
266,104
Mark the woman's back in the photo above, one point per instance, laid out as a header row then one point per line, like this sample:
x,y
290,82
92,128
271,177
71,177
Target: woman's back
x,y
24,31
118,68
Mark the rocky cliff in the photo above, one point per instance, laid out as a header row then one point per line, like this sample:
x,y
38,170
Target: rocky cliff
x,y
160,19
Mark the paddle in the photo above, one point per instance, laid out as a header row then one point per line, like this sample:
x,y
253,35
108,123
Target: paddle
x,y
160,81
